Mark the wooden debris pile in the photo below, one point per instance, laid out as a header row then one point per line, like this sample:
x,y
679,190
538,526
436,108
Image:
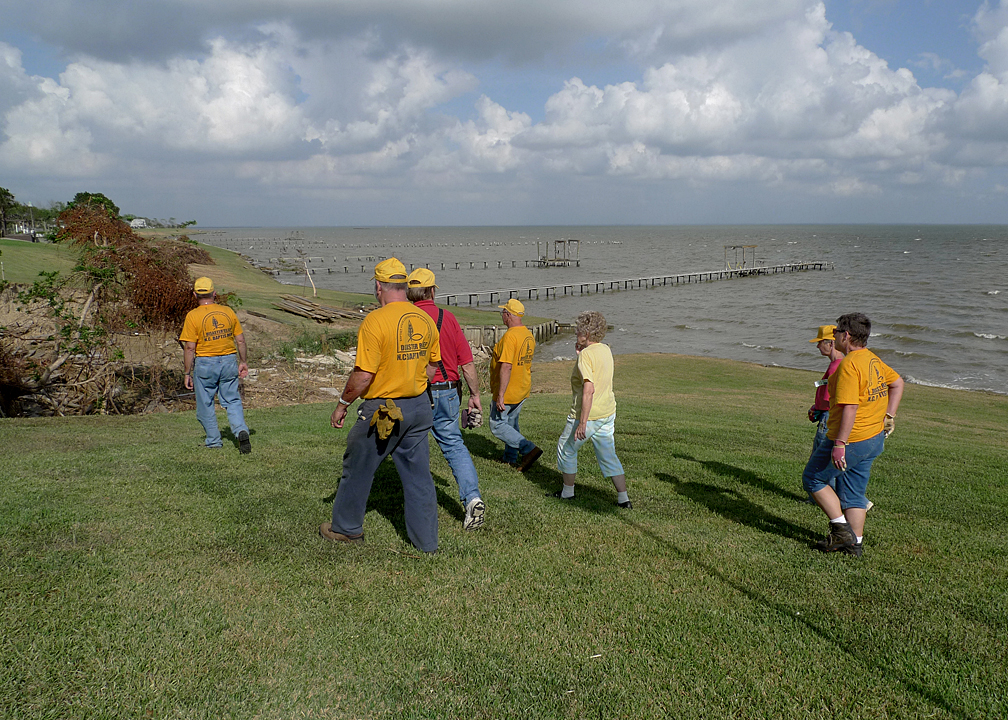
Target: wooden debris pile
x,y
316,311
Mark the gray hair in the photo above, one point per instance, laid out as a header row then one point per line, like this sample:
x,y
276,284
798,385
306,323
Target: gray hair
x,y
416,294
592,325
386,286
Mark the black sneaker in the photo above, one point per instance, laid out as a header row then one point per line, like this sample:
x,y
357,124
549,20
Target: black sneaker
x,y
626,505
244,446
840,537
856,549
559,496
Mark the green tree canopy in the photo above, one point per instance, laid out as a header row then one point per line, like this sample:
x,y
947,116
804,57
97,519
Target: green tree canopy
x,y
89,198
7,203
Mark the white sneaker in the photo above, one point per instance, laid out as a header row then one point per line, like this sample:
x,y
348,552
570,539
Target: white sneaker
x,y
474,514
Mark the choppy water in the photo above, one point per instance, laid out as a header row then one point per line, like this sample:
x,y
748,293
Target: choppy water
x,y
937,295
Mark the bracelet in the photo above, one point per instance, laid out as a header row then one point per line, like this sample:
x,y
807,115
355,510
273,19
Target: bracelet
x,y
344,402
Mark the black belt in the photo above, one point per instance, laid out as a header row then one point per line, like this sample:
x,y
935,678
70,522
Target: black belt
x,y
444,386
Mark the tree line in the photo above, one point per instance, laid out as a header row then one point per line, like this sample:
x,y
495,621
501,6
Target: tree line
x,y
12,211
65,354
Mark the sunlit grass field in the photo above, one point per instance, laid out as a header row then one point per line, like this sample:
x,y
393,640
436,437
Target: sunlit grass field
x,y
148,577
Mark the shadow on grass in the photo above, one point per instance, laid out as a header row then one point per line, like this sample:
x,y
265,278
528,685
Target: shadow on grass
x,y
446,500
481,446
731,505
230,437
742,475
586,497
387,498
787,615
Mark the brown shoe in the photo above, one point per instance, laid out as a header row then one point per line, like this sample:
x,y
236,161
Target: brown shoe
x,y
326,531
839,538
530,457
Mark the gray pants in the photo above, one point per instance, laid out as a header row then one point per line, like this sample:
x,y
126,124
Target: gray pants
x,y
411,454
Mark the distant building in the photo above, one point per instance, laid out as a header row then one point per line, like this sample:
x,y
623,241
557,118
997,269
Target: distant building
x,y
138,223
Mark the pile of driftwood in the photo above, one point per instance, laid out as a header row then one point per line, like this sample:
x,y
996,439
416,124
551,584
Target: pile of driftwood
x,y
49,366
316,311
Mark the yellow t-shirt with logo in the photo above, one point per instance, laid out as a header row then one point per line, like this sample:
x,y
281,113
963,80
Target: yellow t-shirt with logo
x,y
595,364
213,328
396,342
863,380
516,347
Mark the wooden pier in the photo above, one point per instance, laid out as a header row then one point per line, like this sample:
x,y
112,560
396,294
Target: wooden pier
x,y
601,286
488,335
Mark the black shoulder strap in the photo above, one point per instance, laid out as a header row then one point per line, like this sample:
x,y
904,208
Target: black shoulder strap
x,y
440,319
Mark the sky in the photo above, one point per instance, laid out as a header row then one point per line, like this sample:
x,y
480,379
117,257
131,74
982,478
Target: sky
x,y
531,112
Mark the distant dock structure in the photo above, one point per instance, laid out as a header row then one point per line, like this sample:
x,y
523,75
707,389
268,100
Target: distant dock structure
x,y
590,287
566,253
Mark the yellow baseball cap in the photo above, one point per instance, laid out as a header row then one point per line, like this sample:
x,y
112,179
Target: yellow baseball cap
x,y
825,333
203,286
514,307
390,270
421,278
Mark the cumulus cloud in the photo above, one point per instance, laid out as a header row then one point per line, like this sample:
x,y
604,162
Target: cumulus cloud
x,y
982,108
798,91
381,100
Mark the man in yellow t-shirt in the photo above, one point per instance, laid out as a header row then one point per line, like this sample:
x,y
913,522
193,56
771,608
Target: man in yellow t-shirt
x,y
510,384
864,395
396,345
215,357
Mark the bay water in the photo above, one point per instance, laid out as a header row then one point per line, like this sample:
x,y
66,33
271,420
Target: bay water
x,y
937,296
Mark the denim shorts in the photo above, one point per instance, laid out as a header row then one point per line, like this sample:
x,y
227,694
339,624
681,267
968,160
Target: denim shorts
x,y
600,432
851,484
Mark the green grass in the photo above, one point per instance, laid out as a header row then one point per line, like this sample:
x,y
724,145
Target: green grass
x,y
23,261
147,576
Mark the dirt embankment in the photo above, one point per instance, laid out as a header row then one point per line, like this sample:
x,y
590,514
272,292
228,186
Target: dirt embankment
x,y
151,370
273,380
148,368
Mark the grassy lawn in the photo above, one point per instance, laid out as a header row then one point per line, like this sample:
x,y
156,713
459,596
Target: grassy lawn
x,y
146,576
22,261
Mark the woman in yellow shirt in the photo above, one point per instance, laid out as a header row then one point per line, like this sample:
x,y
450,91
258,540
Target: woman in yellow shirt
x,y
593,410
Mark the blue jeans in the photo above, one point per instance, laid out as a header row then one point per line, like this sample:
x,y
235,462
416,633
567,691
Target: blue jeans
x,y
218,376
410,452
600,432
820,434
449,438
504,426
820,438
852,483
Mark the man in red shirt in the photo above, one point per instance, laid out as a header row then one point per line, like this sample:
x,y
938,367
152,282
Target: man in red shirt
x,y
819,412
446,394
